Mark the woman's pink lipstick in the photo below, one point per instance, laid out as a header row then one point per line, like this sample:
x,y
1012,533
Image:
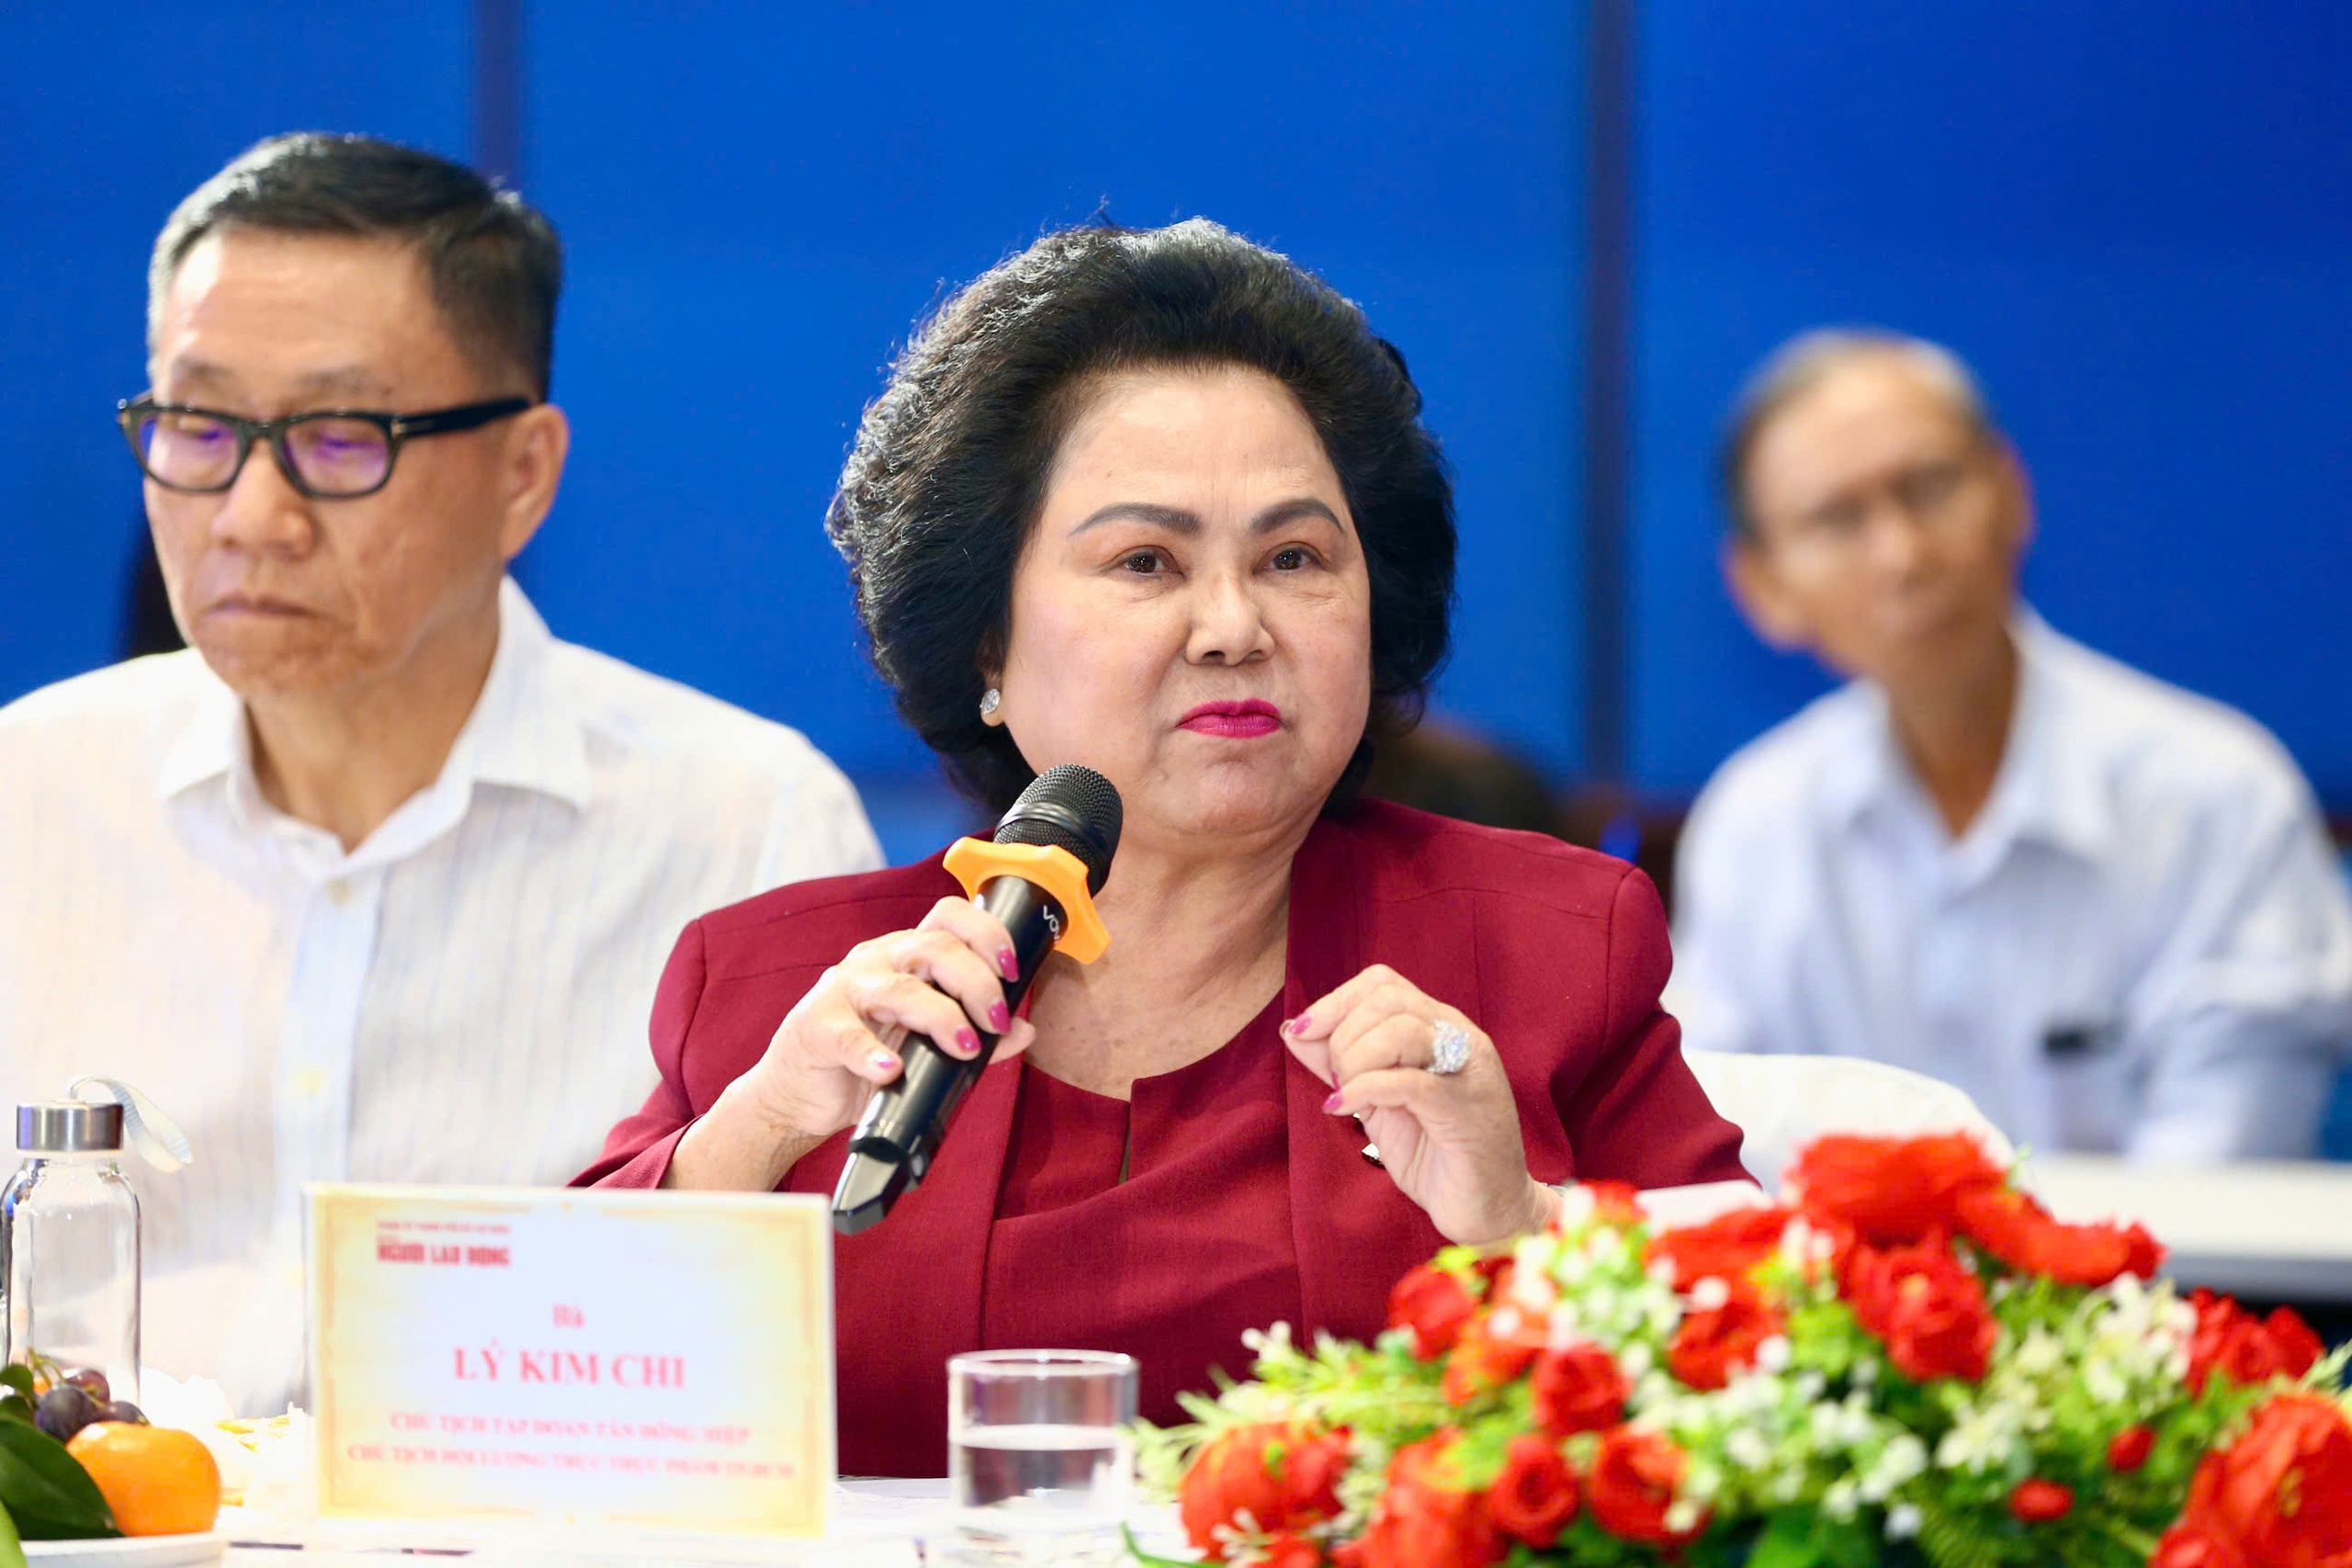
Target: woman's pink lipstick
x,y
1240,721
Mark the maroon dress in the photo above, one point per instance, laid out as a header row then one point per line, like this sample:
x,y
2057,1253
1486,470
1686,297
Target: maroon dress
x,y
1243,1202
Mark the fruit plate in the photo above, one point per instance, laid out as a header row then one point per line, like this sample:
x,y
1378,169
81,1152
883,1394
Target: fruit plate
x,y
130,1551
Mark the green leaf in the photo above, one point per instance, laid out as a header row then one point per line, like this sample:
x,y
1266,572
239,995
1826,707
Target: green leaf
x,y
1787,1543
11,1550
46,1490
1804,1538
18,1376
14,1408
1126,1536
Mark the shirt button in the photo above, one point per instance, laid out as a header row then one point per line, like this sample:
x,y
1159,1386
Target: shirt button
x,y
338,893
310,1083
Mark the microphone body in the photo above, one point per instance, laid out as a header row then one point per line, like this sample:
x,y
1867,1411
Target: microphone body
x,y
1051,853
905,1119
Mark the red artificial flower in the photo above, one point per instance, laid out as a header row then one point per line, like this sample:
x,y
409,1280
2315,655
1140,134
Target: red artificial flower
x,y
1425,1519
2282,1494
1285,1476
2246,1349
1580,1389
1891,1191
1632,1486
1483,1360
1433,1305
1725,1247
2184,1546
1615,1203
1289,1549
1928,1310
1536,1493
2014,1227
2034,1501
1715,1342
2130,1450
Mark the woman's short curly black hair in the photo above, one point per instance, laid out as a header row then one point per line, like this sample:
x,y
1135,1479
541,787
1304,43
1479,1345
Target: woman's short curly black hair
x,y
948,474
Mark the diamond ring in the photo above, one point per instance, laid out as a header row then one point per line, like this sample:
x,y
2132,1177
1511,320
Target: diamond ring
x,y
1449,1049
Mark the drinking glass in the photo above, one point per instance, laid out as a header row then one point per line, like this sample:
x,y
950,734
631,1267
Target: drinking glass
x,y
1040,1456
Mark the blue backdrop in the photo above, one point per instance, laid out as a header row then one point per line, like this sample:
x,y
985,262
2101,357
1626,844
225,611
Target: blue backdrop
x,y
2135,222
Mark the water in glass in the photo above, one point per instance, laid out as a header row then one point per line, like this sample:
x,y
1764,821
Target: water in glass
x,y
1040,1456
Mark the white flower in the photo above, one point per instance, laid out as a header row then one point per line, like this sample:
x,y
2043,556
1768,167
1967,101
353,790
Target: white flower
x,y
1576,1207
1682,1514
1901,1521
1772,1356
1907,1456
1747,1449
2041,1353
1710,1294
1842,1500
1561,1327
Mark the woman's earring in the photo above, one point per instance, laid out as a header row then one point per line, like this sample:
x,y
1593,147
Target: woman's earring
x,y
989,701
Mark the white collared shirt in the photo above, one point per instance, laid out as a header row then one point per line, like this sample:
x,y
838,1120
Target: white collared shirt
x,y
2142,942
462,998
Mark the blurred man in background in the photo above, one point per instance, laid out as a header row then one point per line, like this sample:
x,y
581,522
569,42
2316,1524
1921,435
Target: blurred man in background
x,y
2104,907
376,882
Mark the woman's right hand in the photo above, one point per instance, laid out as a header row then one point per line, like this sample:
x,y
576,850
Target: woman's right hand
x,y
945,979
843,1040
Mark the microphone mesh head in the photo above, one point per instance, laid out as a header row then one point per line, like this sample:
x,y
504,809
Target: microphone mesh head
x,y
1069,808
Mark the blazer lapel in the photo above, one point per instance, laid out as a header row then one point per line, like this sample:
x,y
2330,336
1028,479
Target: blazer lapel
x,y
914,1286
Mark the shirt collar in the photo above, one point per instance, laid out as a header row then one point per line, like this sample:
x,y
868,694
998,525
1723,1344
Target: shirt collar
x,y
2048,787
524,731
527,731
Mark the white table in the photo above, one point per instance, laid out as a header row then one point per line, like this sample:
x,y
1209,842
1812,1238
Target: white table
x,y
877,1523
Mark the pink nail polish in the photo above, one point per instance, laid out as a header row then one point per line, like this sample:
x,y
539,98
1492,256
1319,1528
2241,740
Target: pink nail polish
x,y
968,1042
1000,1017
1297,1026
882,1062
1007,963
1332,1106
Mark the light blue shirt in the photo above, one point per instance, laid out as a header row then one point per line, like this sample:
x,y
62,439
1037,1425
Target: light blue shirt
x,y
2142,944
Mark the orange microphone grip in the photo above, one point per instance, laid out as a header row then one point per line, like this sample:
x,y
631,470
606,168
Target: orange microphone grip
x,y
976,863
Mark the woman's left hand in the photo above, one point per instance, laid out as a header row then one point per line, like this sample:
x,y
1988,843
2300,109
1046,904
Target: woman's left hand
x,y
1450,1141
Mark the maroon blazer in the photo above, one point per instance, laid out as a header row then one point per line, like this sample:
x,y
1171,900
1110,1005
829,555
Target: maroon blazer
x,y
1557,952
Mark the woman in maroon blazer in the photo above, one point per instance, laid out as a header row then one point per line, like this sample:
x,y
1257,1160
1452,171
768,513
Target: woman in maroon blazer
x,y
1159,502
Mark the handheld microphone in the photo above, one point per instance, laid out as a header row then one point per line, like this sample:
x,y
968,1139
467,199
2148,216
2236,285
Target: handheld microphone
x,y
1050,856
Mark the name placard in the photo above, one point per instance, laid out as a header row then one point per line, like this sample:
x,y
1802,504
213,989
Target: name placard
x,y
652,1361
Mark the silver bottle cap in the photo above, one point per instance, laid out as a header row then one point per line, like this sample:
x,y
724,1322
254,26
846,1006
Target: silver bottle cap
x,y
68,1126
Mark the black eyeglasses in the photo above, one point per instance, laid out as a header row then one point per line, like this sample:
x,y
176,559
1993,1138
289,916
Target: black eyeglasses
x,y
333,455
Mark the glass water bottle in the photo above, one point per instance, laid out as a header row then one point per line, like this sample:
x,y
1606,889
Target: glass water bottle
x,y
68,1267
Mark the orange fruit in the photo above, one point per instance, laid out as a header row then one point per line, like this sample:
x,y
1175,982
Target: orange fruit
x,y
157,1480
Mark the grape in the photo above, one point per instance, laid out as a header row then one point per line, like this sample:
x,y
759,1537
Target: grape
x,y
64,1411
121,1410
92,1382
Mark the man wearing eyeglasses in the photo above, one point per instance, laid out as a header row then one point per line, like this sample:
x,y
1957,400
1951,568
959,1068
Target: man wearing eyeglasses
x,y
375,882
2105,907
